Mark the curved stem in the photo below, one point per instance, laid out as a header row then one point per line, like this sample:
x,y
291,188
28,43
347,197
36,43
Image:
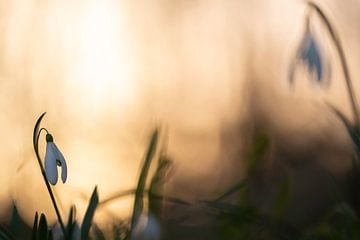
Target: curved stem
x,y
43,173
340,50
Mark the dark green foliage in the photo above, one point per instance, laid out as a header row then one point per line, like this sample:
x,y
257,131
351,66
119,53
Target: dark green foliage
x,y
42,233
5,234
140,189
35,227
281,200
89,214
40,230
15,218
37,131
70,226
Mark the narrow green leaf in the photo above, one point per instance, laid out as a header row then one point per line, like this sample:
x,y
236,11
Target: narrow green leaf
x,y
43,228
237,187
170,199
35,227
36,130
86,224
139,194
15,218
116,196
71,222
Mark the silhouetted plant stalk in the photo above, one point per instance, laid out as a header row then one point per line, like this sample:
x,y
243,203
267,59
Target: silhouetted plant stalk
x,y
336,40
140,189
36,135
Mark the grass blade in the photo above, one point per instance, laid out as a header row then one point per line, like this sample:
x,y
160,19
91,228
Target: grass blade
x,y
15,218
36,130
86,224
43,228
71,223
139,194
117,195
232,190
35,227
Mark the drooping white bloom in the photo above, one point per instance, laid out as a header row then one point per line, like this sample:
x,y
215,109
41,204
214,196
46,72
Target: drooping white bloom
x,y
53,159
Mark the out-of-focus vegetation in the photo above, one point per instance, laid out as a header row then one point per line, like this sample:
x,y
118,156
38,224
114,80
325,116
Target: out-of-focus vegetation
x,y
230,219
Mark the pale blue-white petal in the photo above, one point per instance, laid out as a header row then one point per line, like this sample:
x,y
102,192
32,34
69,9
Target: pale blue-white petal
x,y
61,158
50,164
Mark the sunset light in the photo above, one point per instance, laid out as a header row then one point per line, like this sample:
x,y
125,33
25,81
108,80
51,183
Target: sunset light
x,y
179,120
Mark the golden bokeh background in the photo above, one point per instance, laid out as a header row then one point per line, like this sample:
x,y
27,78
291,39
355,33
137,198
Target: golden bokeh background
x,y
108,72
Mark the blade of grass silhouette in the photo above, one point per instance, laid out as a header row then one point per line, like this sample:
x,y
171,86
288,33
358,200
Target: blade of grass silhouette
x,y
126,193
43,228
116,196
170,199
36,135
15,218
140,189
37,131
71,222
90,211
35,227
232,190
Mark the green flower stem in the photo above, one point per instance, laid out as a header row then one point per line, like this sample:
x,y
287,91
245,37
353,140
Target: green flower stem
x,y
335,38
36,148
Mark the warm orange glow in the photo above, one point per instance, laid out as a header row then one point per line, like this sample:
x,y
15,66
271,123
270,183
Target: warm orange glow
x,y
104,63
107,72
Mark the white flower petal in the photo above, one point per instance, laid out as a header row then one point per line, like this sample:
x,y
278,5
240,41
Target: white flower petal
x,y
60,157
50,164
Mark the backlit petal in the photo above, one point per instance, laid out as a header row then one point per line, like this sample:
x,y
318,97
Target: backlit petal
x,y
60,157
50,164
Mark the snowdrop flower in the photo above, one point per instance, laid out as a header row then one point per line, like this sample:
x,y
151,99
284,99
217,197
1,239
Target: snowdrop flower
x,y
148,228
311,55
53,159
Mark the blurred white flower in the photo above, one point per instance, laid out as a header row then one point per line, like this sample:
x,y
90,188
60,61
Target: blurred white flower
x,y
53,159
311,55
148,228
